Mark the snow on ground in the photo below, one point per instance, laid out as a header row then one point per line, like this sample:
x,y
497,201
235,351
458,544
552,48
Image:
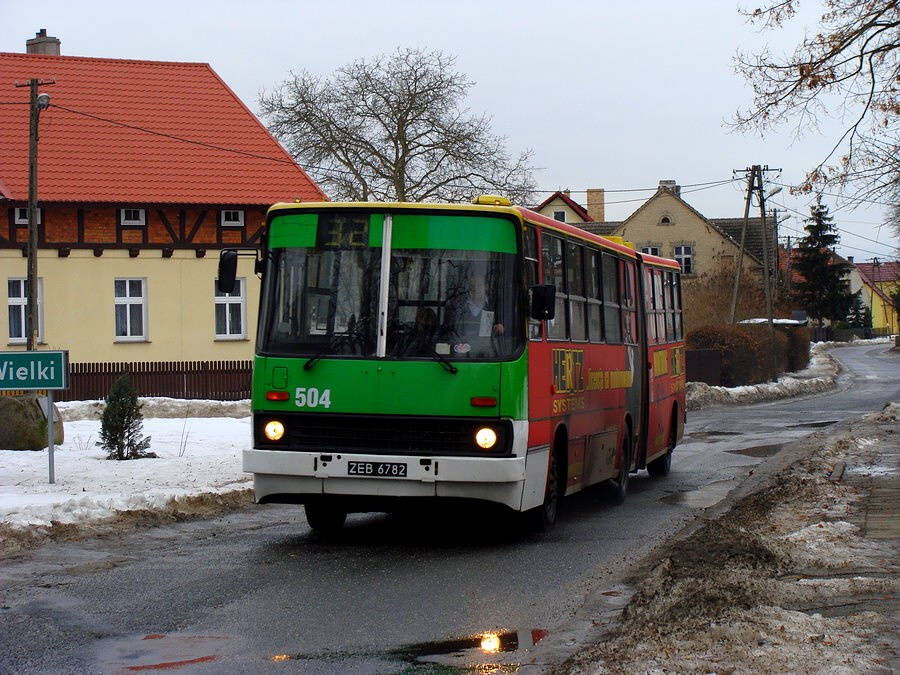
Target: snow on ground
x,y
199,444
197,455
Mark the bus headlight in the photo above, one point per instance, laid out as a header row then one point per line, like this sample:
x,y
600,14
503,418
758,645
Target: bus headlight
x,y
274,430
486,438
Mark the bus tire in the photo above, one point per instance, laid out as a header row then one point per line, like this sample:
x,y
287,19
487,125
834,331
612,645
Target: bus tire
x,y
323,517
544,516
662,465
619,484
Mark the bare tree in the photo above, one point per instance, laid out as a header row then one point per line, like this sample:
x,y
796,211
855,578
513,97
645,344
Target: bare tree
x,y
394,129
850,70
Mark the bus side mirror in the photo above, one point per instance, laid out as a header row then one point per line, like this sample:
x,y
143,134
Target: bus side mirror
x,y
543,302
227,270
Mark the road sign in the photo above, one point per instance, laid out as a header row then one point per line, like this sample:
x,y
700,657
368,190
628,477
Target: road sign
x,y
34,370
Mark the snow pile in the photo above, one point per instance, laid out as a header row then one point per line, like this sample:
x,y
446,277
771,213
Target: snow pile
x,y
819,376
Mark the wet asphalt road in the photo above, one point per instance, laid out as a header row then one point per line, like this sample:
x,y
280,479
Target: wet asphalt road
x,y
258,592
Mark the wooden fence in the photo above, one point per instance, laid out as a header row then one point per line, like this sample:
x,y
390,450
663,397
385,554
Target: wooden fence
x,y
214,380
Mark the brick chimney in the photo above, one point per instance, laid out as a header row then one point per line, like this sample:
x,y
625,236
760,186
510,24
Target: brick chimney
x,y
671,186
596,204
42,44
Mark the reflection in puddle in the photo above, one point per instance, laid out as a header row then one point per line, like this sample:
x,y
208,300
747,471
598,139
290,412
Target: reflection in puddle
x,y
703,497
490,652
759,450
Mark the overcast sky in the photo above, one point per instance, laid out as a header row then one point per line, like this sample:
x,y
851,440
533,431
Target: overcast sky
x,y
607,94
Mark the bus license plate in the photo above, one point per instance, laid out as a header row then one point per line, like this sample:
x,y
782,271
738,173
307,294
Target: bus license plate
x,y
381,469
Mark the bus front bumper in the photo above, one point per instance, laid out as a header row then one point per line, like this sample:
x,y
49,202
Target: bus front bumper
x,y
289,476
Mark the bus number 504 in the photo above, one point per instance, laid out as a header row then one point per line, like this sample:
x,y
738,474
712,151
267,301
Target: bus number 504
x,y
312,398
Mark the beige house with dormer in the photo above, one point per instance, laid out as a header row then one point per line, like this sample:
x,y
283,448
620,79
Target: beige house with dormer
x,y
668,226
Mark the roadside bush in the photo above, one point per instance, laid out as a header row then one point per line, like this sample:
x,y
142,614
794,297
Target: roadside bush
x,y
122,422
750,353
798,348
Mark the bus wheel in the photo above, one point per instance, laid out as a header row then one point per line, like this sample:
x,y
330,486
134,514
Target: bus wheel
x,y
543,517
324,517
662,465
619,484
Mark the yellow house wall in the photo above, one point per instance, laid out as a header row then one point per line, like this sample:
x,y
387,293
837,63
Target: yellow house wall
x,y
884,314
685,227
79,305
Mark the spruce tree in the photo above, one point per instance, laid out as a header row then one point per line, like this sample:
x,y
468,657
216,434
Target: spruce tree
x,y
122,423
823,291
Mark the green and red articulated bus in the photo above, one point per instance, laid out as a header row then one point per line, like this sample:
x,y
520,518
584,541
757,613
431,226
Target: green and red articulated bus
x,y
483,352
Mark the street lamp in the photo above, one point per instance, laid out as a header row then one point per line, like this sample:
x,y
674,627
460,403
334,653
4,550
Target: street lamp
x,y
38,102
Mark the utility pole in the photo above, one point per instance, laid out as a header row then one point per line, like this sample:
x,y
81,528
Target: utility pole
x,y
754,185
37,103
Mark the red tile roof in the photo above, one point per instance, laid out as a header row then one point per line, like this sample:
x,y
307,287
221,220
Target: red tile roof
x,y
882,272
139,132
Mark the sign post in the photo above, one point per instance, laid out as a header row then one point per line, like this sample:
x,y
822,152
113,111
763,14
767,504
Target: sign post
x,y
37,371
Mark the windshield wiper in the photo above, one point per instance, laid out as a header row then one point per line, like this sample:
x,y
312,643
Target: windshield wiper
x,y
353,331
444,361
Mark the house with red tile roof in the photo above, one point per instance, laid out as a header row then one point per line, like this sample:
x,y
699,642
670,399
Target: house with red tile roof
x,y
875,282
561,207
145,170
881,280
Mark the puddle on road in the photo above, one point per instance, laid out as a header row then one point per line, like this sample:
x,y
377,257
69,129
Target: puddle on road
x,y
703,497
490,652
813,425
699,435
759,450
157,651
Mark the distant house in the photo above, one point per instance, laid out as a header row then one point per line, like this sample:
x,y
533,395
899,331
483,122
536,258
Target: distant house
x,y
881,279
874,281
145,171
561,207
667,225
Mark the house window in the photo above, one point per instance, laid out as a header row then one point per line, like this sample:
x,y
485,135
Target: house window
x,y
650,250
559,216
231,313
134,217
665,220
231,218
22,215
131,310
17,299
685,256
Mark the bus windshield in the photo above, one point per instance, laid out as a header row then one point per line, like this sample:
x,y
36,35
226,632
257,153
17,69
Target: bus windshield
x,y
453,290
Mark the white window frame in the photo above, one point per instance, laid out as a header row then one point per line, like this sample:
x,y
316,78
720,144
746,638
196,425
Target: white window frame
x,y
238,221
21,215
140,221
19,305
559,216
130,301
236,301
650,250
682,253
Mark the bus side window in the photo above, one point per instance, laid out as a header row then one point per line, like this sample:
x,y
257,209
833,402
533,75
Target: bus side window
x,y
629,306
659,306
612,313
554,274
530,251
650,306
594,297
575,286
676,306
670,309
